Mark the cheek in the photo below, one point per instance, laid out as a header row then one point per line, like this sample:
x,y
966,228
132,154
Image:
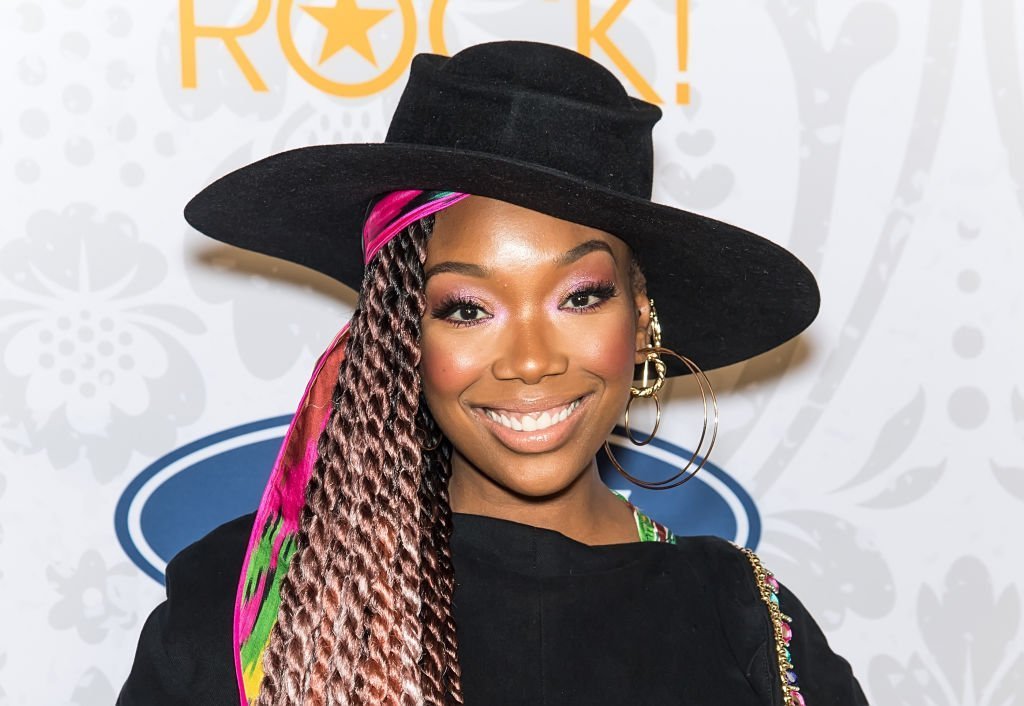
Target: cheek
x,y
446,369
607,349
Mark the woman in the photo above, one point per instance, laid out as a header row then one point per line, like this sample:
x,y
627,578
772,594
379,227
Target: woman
x,y
435,530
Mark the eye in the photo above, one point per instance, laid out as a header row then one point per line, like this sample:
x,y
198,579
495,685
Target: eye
x,y
466,312
590,297
460,312
583,299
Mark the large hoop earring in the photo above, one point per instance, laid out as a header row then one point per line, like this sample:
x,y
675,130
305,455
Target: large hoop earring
x,y
648,390
657,422
653,355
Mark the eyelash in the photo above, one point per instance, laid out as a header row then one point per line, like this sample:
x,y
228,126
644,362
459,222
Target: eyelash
x,y
602,290
451,304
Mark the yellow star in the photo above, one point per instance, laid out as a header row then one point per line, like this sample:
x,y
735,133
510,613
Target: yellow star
x,y
347,26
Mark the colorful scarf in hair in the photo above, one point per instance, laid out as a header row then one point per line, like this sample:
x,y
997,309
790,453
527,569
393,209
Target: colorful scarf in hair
x,y
275,530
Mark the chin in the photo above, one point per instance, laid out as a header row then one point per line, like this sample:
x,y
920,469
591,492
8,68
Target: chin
x,y
538,480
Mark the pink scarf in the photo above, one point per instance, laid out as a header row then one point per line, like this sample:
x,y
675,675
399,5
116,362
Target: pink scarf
x,y
275,530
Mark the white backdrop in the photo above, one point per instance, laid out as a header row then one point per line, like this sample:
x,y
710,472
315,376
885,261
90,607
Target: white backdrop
x,y
881,141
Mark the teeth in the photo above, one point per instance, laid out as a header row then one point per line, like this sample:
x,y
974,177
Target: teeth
x,y
532,421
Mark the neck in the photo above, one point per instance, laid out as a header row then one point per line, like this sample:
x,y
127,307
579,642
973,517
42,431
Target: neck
x,y
585,510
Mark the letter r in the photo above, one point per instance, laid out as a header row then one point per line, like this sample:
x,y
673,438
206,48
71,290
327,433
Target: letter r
x,y
190,32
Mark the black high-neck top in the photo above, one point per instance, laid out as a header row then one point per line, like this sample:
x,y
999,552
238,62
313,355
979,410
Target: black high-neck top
x,y
542,620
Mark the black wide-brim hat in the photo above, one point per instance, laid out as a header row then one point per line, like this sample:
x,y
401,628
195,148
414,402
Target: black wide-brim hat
x,y
546,128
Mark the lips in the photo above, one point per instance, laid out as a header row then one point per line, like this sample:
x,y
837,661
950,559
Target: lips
x,y
533,421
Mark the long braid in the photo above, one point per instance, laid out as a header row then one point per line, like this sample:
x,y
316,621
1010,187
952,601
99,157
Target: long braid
x,y
369,622
394,644
440,658
365,614
408,569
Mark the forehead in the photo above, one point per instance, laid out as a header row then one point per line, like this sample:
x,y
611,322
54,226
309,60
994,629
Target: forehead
x,y
479,229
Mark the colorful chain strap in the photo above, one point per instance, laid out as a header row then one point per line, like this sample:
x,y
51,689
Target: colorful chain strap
x,y
768,587
646,528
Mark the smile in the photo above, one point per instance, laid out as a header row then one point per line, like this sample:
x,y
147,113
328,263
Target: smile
x,y
534,421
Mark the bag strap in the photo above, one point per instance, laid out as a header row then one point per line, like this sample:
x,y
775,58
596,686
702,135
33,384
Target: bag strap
x,y
768,589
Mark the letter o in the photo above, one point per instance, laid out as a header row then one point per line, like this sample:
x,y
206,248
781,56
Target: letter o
x,y
348,90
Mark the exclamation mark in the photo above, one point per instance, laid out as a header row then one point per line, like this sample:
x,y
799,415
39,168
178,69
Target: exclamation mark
x,y
683,46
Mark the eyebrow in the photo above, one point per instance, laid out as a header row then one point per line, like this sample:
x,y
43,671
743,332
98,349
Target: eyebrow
x,y
566,258
582,249
459,268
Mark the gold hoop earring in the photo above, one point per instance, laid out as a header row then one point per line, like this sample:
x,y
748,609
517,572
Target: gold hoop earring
x,y
652,355
648,390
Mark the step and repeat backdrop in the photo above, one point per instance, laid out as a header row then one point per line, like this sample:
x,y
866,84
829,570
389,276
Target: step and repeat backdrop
x,y
876,462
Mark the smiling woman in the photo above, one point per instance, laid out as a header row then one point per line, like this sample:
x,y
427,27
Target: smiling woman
x,y
528,351
435,530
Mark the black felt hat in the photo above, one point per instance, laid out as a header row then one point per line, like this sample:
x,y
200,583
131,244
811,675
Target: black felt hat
x,y
542,127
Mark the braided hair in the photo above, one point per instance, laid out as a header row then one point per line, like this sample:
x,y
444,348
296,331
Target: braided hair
x,y
366,604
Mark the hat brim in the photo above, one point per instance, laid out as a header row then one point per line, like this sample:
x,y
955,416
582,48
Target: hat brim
x,y
723,293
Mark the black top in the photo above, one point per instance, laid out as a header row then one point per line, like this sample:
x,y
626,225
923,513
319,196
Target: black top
x,y
542,620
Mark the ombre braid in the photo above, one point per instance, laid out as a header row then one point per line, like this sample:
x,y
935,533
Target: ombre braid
x,y
366,605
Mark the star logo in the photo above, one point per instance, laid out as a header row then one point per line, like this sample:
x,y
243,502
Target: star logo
x,y
347,25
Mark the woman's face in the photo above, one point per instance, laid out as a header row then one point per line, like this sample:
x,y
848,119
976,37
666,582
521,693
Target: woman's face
x,y
529,341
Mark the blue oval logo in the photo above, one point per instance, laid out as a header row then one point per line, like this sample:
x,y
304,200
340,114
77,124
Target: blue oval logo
x,y
188,492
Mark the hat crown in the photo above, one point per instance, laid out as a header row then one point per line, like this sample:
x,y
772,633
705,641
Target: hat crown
x,y
537,67
531,103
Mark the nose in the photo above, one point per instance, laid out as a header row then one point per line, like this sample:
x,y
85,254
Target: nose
x,y
531,351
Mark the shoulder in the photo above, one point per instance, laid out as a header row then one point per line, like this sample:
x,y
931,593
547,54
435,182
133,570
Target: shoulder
x,y
202,580
706,554
771,633
215,558
184,654
719,560
729,572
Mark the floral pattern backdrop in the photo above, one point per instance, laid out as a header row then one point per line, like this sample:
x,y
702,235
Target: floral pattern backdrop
x,y
881,141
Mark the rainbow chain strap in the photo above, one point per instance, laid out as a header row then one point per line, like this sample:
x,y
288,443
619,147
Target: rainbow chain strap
x,y
768,587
